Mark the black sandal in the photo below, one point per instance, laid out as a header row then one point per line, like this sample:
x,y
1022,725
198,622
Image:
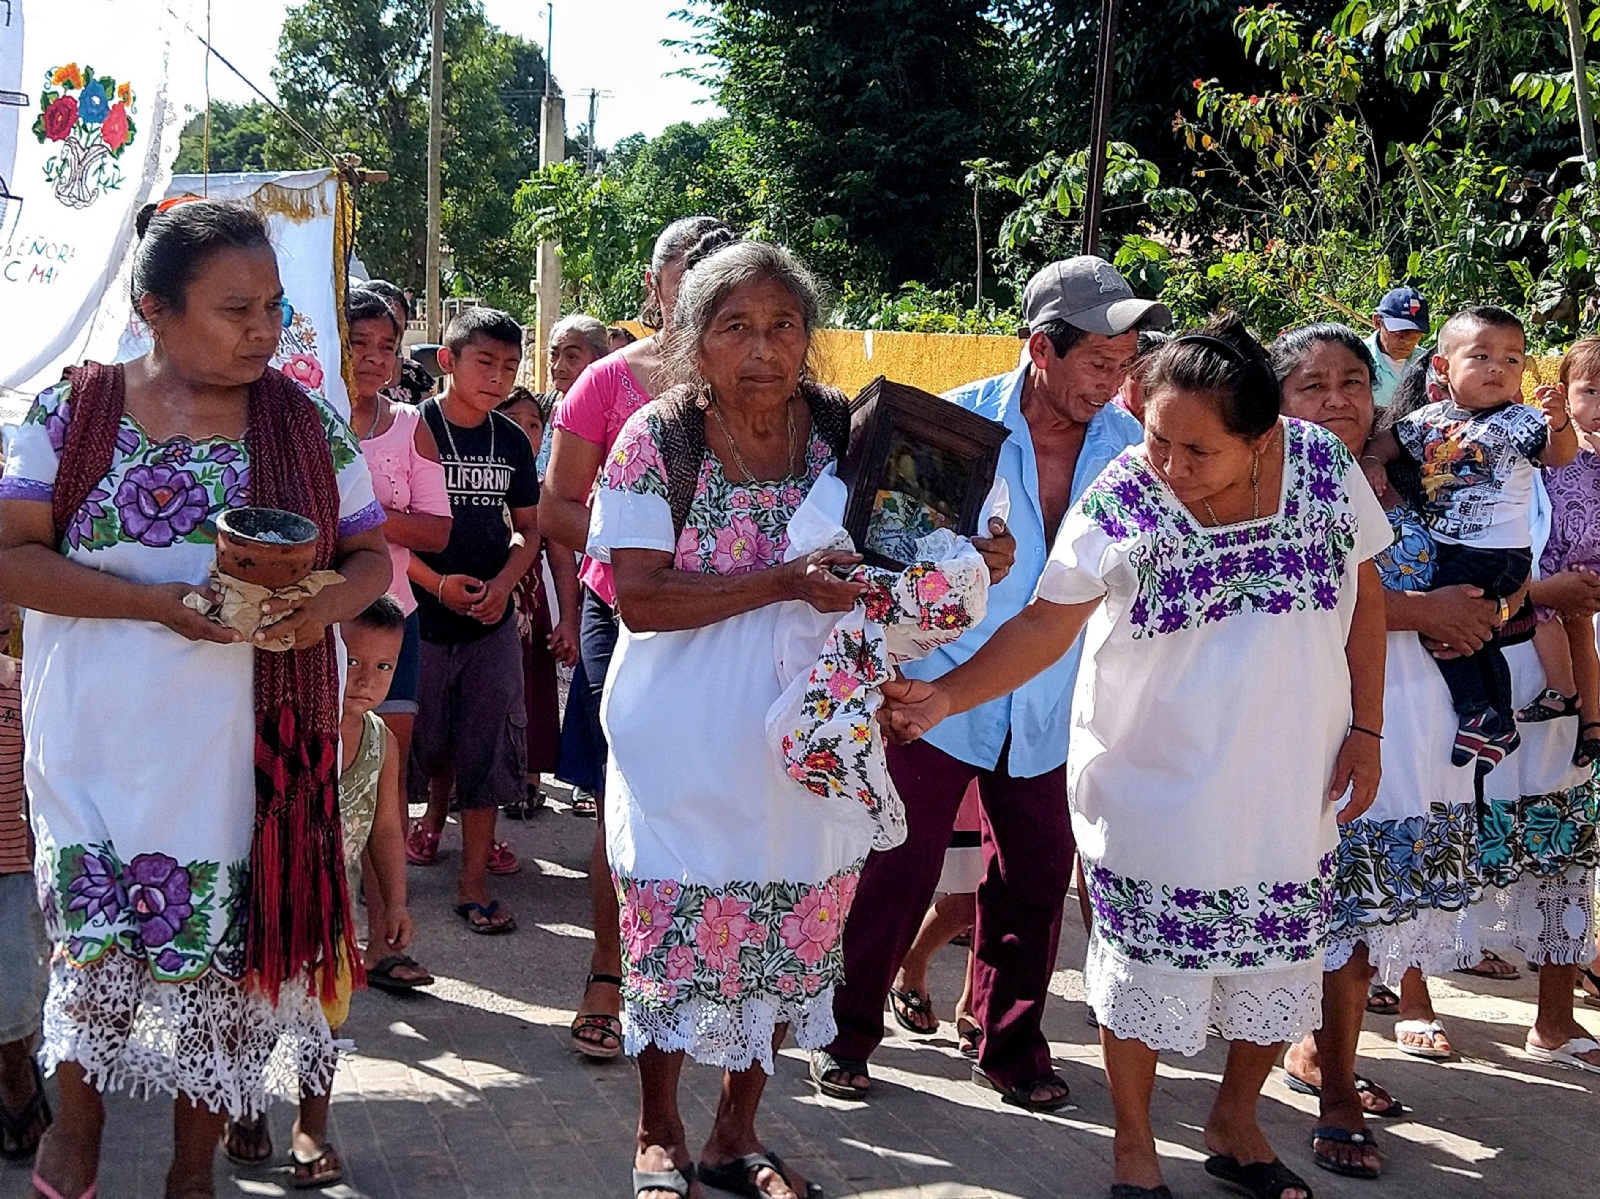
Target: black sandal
x,y
1126,1190
1364,1086
1260,1180
734,1177
34,1118
384,978
1022,1096
1343,1136
1549,704
970,1036
824,1063
908,1003
247,1142
1381,1001
1588,751
606,1026
321,1171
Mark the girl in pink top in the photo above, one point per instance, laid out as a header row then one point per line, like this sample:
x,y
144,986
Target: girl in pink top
x,y
408,482
586,425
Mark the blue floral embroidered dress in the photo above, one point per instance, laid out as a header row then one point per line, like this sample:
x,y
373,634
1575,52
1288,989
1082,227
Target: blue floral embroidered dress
x,y
1212,701
736,852
139,765
1408,866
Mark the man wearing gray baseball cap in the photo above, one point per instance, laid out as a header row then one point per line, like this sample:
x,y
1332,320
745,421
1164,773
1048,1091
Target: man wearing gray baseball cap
x,y
1083,328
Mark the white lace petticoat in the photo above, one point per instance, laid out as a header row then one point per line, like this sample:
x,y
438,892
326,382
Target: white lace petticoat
x,y
1429,941
1548,918
210,1040
732,1036
1171,1011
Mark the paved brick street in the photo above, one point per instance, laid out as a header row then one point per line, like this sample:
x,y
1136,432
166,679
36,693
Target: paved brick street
x,y
470,1090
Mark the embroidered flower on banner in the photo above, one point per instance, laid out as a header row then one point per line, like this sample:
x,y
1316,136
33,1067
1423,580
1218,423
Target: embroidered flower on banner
x,y
89,118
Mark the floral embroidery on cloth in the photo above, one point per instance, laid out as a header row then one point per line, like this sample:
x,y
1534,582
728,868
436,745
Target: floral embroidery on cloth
x,y
1408,563
1235,928
1190,576
173,916
1538,835
825,722
1390,870
778,941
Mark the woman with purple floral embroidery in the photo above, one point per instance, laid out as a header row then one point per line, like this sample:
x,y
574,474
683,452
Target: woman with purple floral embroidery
x,y
143,718
1231,693
736,861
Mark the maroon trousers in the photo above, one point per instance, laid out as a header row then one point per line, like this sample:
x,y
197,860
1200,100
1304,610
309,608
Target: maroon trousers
x,y
1027,854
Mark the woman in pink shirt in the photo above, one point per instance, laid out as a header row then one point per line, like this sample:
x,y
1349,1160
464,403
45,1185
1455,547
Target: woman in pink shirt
x,y
586,425
408,481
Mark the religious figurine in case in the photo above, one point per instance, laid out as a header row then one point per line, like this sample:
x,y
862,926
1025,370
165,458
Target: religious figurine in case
x,y
917,463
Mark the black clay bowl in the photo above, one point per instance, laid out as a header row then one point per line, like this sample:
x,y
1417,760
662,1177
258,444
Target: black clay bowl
x,y
265,546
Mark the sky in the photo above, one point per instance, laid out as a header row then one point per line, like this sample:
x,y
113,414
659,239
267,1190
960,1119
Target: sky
x,y
612,45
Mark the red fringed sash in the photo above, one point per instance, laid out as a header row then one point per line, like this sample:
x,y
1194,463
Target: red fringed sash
x,y
298,919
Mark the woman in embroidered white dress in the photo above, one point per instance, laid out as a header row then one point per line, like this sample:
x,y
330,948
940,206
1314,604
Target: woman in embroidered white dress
x,y
734,867
1231,692
139,712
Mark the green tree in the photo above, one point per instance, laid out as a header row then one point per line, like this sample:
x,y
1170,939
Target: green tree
x,y
354,73
239,137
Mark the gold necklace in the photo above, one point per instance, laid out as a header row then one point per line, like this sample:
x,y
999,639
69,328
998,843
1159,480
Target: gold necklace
x,y
738,458
1255,494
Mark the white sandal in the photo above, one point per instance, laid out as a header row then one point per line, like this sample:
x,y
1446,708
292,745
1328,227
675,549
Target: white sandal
x,y
1421,1028
1566,1055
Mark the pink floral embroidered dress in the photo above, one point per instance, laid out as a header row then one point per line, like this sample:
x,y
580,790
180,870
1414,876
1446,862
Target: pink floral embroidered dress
x,y
735,867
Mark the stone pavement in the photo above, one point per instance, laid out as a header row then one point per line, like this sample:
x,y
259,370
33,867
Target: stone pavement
x,y
470,1090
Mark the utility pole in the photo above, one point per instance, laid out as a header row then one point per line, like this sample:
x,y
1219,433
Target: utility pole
x,y
1099,120
434,300
588,156
1580,79
552,149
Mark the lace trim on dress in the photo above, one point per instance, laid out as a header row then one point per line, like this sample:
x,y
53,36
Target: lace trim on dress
x,y
1427,941
732,1036
1549,919
1171,1012
211,1039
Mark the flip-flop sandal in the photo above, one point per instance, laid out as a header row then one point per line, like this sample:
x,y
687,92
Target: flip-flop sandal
x,y
824,1063
585,803
676,1181
908,1003
1477,970
1343,1136
487,926
1381,1001
526,806
607,1026
1262,1180
247,1142
734,1177
1427,1028
49,1192
383,977
321,1171
971,1037
34,1119
1364,1086
1566,1055
1022,1096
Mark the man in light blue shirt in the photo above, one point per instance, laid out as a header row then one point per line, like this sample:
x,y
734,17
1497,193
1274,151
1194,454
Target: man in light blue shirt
x,y
1398,327
1083,320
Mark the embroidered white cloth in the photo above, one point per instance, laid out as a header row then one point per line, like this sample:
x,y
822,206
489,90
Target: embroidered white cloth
x,y
1212,701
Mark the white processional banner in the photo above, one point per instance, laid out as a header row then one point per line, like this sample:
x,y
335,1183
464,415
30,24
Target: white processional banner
x,y
88,133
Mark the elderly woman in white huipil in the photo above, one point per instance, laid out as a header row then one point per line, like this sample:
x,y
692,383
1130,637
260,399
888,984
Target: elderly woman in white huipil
x,y
1231,693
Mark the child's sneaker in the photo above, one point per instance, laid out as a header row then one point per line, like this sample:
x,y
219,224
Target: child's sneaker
x,y
502,860
1472,735
422,845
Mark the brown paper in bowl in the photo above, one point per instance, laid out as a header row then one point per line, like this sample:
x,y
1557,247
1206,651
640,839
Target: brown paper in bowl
x,y
239,605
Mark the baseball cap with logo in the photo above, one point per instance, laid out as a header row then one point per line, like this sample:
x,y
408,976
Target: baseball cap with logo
x,y
1404,308
1089,294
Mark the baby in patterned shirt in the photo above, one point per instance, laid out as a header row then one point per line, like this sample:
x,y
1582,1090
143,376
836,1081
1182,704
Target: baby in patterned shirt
x,y
1477,447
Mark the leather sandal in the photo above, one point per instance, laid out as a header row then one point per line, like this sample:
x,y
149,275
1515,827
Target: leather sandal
x,y
607,1026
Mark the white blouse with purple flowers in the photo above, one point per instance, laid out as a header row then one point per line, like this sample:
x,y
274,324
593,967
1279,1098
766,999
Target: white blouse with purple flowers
x,y
139,742
1212,701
